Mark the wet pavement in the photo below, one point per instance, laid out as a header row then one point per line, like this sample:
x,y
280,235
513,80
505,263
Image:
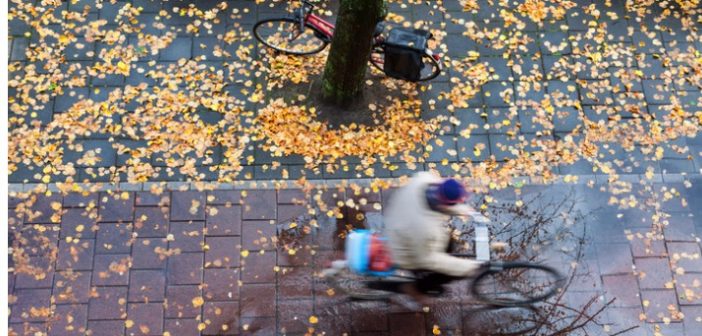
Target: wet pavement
x,y
232,262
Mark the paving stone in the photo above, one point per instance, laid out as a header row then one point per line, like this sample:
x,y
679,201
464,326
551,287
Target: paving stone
x,y
147,317
69,320
77,223
293,316
187,205
258,268
109,303
43,277
75,256
223,197
295,283
181,47
689,288
221,284
43,211
259,204
144,253
260,326
405,324
79,200
72,287
36,240
116,210
114,238
151,222
185,269
184,327
147,198
111,270
656,91
258,235
685,256
222,252
27,299
644,246
656,303
654,273
180,302
680,228
494,93
221,318
368,316
147,285
224,220
257,300
106,328
187,236
622,288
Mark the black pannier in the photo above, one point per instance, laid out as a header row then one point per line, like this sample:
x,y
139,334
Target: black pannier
x,y
403,53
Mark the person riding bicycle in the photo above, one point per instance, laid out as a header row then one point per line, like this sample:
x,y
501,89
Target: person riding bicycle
x,y
418,236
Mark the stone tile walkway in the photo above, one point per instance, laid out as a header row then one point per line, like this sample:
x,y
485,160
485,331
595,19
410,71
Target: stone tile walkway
x,y
231,262
637,78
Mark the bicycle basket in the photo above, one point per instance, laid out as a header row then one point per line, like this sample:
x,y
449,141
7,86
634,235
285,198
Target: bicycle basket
x,y
403,53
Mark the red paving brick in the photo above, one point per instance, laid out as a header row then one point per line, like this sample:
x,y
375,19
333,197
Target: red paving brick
x,y
150,222
222,252
259,267
259,204
224,220
147,285
221,318
187,236
147,318
653,273
109,303
258,235
221,284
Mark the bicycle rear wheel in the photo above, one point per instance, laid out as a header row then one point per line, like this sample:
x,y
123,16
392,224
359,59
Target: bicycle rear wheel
x,y
431,69
356,286
516,283
284,35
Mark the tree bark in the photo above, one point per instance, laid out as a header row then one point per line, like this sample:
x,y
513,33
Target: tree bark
x,y
350,48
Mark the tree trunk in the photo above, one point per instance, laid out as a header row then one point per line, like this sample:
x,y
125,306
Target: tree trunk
x,y
350,48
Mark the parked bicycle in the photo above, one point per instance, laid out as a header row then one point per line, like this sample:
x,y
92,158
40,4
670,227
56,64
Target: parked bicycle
x,y
403,53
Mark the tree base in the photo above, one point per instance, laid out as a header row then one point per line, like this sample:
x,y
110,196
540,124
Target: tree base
x,y
356,111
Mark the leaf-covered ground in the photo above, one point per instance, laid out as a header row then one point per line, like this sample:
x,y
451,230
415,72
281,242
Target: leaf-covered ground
x,y
599,94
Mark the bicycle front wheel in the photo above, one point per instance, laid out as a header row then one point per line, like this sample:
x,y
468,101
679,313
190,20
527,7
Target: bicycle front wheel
x,y
431,69
284,35
516,283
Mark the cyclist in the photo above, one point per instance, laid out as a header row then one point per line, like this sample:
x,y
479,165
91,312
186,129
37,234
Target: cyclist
x,y
418,236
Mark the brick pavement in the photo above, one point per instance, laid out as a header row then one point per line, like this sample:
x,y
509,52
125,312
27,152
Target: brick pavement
x,y
220,262
635,76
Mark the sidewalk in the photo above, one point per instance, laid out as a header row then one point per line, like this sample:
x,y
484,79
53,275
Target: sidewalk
x,y
228,262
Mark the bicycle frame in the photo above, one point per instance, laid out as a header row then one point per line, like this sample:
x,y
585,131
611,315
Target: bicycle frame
x,y
323,26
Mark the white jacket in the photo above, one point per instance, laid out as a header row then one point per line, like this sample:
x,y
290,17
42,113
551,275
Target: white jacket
x,y
418,236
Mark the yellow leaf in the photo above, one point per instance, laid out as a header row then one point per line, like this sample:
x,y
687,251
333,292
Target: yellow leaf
x,y
436,330
198,301
128,323
123,67
245,253
201,326
313,319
